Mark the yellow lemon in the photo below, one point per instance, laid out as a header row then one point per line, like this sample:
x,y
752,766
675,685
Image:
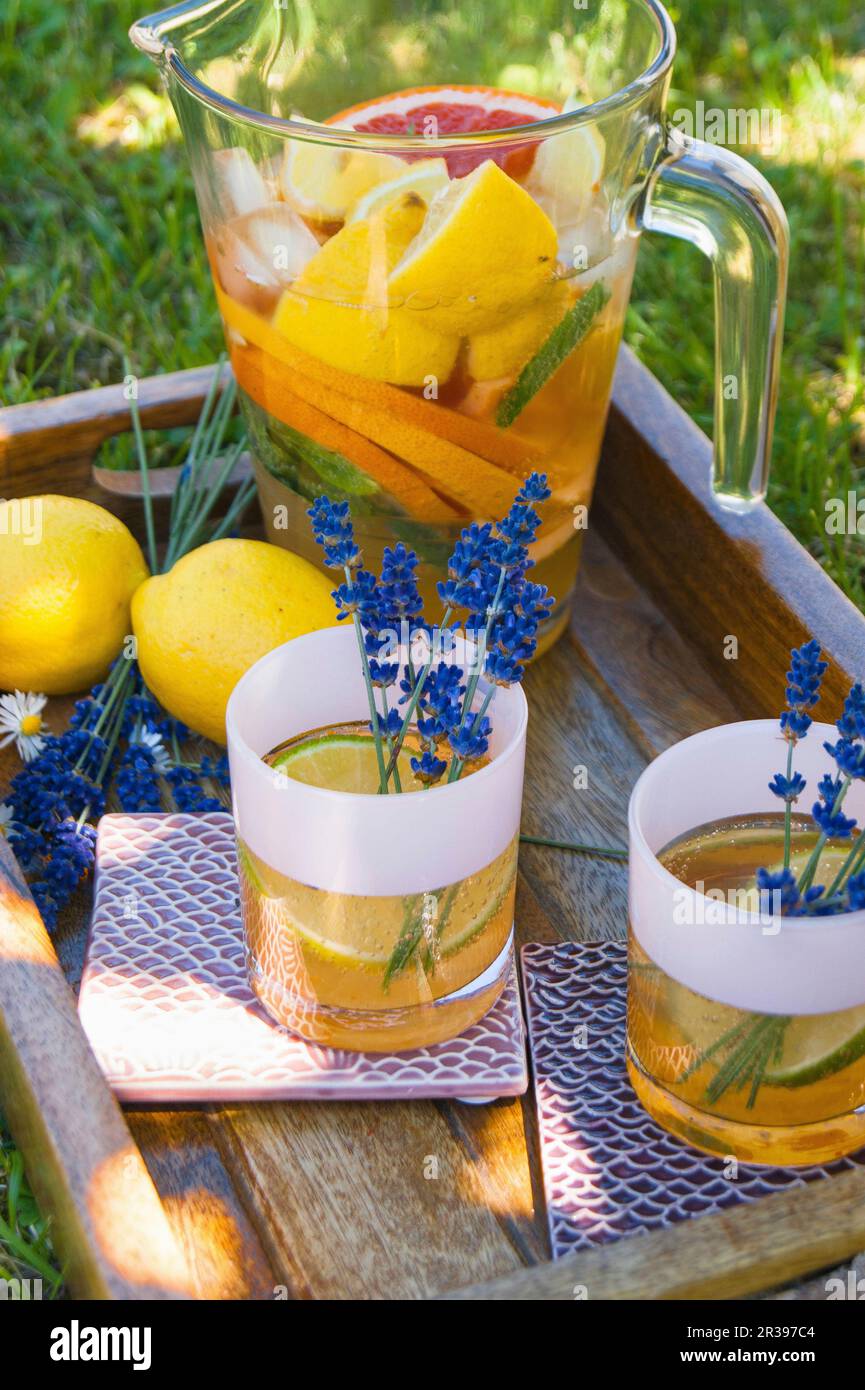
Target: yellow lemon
x,y
427,177
503,350
219,609
323,182
485,247
337,309
216,612
68,570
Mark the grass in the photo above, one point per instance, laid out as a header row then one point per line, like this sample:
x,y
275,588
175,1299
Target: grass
x,y
25,1248
102,254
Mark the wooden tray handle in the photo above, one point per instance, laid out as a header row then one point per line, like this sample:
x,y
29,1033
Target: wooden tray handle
x,y
109,1227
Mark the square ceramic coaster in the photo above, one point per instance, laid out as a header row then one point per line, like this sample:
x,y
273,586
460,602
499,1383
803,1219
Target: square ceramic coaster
x,y
609,1170
165,1002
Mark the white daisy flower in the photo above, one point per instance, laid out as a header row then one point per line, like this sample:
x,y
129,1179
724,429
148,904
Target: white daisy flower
x,y
21,723
153,740
5,818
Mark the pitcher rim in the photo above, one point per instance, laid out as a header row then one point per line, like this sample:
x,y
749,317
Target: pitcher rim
x,y
149,34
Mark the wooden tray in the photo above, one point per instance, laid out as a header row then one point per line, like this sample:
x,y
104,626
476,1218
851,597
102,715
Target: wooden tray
x,y
321,1201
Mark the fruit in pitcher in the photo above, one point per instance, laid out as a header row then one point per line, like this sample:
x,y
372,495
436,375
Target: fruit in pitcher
x,y
503,350
484,249
68,570
439,112
565,180
219,609
338,308
260,253
426,178
323,182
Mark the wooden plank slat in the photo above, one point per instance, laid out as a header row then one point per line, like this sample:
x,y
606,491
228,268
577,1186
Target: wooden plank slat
x,y
108,1225
201,1203
372,1200
755,1246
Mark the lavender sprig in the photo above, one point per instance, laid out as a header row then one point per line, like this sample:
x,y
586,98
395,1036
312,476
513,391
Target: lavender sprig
x,y
802,693
487,578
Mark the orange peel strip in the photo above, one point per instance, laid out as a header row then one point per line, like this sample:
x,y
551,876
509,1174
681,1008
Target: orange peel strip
x,y
516,455
269,390
483,489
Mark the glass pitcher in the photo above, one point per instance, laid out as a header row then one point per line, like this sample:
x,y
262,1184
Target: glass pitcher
x,y
422,220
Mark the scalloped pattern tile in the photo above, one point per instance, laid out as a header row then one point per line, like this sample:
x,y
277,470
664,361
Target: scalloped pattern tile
x,y
609,1170
165,1002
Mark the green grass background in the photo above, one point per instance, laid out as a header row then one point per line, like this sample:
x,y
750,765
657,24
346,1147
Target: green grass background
x,y
100,251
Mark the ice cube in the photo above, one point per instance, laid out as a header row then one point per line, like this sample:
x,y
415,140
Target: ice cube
x,y
240,185
258,254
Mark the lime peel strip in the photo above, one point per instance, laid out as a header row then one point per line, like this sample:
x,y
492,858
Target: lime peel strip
x,y
568,333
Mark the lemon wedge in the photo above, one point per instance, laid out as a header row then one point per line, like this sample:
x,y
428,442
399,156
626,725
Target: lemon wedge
x,y
503,350
485,247
338,308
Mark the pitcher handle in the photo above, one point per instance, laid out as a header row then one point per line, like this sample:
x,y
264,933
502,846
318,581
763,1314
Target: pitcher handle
x,y
711,197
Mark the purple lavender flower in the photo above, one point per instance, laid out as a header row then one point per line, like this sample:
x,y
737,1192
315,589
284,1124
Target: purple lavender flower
x,y
428,768
788,788
803,689
333,531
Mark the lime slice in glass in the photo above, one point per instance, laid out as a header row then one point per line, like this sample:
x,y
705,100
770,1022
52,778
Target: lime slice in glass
x,y
815,1049
341,763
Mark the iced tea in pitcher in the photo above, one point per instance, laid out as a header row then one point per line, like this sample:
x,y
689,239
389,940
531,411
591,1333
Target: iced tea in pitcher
x,y
422,223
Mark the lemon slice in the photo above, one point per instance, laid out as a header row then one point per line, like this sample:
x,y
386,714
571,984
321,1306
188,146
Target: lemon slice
x,y
426,178
324,182
341,763
485,247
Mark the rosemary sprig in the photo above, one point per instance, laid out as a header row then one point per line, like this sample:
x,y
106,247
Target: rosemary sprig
x,y
753,1043
577,846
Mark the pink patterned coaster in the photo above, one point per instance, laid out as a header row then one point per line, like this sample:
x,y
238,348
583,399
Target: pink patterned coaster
x,y
609,1170
166,1006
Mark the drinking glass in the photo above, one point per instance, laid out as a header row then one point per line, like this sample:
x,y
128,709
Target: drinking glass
x,y
331,880
716,981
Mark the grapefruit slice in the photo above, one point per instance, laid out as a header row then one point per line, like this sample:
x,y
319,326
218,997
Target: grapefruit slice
x,y
451,111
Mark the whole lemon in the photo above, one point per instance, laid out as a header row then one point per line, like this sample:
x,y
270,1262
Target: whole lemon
x,y
68,570
217,611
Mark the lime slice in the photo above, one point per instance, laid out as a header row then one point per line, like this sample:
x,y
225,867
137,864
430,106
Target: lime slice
x,y
568,333
341,763
362,938
820,1047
